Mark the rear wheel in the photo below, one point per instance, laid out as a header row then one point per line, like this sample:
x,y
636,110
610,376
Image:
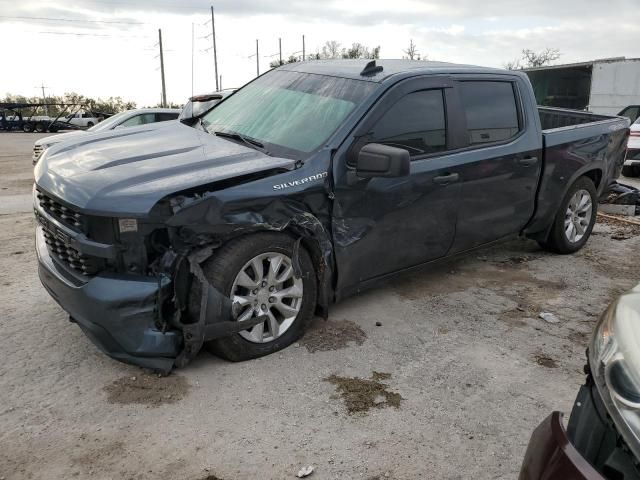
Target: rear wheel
x,y
257,273
27,127
630,171
575,219
40,127
90,124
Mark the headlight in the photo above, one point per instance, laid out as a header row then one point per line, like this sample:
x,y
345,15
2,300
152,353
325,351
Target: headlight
x,y
614,357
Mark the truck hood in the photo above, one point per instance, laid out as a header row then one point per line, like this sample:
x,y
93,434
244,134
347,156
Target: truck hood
x,y
127,171
61,137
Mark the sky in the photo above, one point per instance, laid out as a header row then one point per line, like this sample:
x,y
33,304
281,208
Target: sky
x,y
104,48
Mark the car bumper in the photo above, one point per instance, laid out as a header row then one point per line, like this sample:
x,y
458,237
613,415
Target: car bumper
x,y
550,455
117,312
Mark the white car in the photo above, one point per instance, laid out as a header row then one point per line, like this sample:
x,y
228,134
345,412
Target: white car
x,y
632,160
130,118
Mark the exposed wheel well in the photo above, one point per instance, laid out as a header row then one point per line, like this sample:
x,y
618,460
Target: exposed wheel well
x,y
595,176
313,249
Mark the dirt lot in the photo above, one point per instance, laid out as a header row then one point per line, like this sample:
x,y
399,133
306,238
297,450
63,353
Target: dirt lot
x,y
440,375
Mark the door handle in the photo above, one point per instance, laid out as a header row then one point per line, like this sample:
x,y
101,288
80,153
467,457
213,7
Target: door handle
x,y
528,161
446,179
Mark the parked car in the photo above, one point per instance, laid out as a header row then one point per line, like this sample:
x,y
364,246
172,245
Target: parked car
x,y
130,118
198,105
309,184
82,119
602,439
632,159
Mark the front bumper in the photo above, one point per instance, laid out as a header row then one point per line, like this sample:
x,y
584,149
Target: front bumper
x,y
117,312
551,456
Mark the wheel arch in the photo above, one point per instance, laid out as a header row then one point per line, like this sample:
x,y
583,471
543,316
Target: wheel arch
x,y
317,246
595,174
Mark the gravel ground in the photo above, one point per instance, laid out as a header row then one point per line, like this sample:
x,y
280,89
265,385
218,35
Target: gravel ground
x,y
443,374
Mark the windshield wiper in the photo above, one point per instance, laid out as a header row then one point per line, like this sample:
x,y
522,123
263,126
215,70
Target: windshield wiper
x,y
246,140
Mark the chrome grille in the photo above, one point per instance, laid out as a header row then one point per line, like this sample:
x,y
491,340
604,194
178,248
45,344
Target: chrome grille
x,y
65,253
74,220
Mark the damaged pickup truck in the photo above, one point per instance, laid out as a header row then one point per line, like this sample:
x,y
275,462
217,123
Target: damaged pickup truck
x,y
314,181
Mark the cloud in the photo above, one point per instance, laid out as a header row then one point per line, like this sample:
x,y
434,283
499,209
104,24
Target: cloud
x,y
123,62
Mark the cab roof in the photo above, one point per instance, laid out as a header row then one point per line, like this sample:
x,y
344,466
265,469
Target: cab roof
x,y
353,68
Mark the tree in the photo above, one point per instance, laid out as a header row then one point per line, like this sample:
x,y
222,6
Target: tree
x,y
531,59
291,59
359,50
412,51
545,57
331,49
97,105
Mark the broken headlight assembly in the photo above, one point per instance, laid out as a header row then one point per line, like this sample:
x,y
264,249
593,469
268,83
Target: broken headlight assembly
x,y
614,358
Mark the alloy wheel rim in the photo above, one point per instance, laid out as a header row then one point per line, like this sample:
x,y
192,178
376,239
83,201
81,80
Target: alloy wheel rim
x,y
578,216
266,285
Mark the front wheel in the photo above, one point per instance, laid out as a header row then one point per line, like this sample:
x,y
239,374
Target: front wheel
x,y
257,272
575,218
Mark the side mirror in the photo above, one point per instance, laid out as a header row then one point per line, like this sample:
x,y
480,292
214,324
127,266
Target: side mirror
x,y
378,160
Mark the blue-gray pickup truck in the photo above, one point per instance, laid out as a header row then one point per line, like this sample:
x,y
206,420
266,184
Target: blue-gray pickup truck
x,y
312,182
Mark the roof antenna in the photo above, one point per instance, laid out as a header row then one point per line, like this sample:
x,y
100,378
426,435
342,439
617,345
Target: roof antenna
x,y
371,69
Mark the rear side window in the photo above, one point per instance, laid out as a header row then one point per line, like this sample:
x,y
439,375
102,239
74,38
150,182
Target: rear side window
x,y
416,123
491,111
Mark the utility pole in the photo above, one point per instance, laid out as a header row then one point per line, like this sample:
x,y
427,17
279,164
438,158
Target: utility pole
x,y
220,82
164,88
280,47
215,54
193,41
44,99
257,60
303,50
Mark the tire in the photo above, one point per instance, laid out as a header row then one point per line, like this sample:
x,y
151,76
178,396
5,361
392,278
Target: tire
x,y
630,171
221,271
90,124
40,127
27,127
559,240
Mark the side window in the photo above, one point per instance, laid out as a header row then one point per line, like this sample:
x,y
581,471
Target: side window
x,y
139,120
491,111
132,122
416,123
631,113
164,117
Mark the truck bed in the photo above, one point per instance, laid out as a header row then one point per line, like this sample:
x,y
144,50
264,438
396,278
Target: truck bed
x,y
576,143
552,118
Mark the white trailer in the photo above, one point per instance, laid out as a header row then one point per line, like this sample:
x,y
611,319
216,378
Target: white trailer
x,y
604,86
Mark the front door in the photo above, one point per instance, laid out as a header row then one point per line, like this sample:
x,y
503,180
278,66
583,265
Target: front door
x,y
382,225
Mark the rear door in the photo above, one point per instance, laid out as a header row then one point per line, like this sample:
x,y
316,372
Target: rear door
x,y
501,162
382,225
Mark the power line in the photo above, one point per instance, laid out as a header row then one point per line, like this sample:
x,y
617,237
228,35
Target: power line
x,y
92,35
194,9
73,20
